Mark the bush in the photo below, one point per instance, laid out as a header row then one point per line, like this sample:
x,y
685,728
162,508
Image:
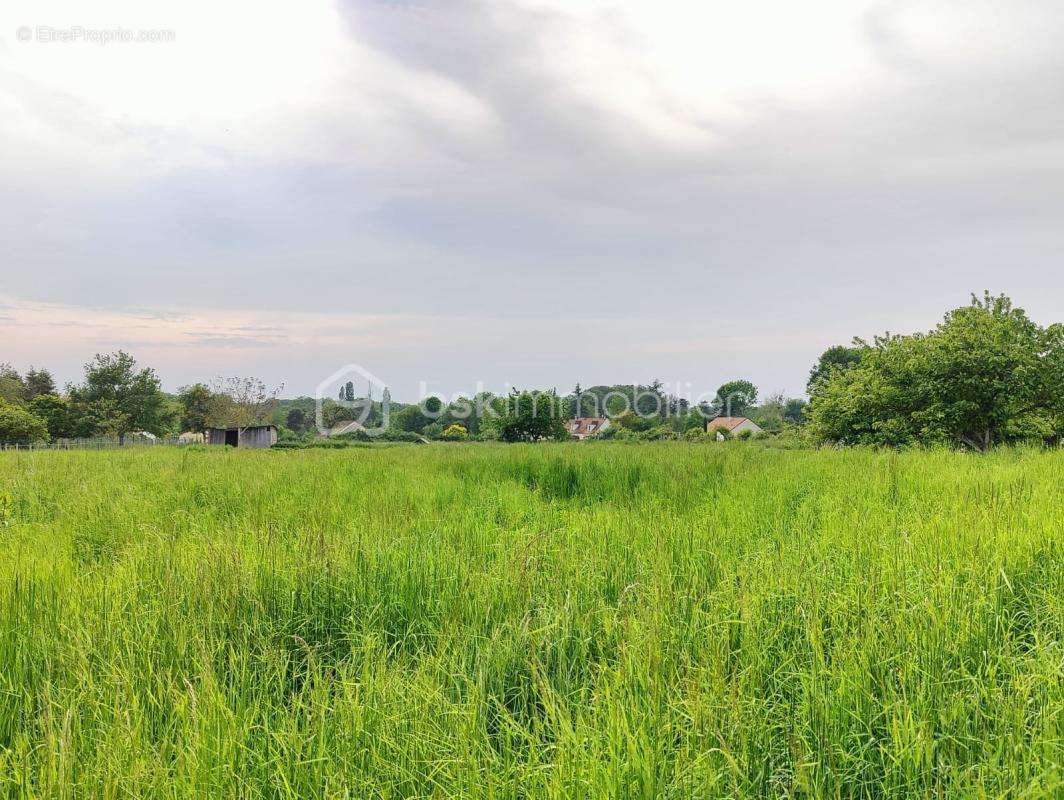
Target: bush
x,y
433,430
720,434
402,436
455,433
659,433
744,436
19,426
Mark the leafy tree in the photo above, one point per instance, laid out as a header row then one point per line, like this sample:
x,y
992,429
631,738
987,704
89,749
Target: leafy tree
x,y
409,419
58,415
839,357
196,403
769,414
794,411
12,388
434,430
650,401
736,397
695,419
528,416
19,426
987,374
629,420
333,414
580,405
296,420
38,382
461,412
117,398
241,402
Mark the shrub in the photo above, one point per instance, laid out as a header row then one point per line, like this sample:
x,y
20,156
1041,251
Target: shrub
x,y
455,433
19,426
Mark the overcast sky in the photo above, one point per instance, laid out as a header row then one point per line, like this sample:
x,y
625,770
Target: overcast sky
x,y
528,192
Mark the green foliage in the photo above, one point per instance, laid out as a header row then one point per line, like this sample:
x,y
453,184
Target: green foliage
x,y
117,398
529,416
296,420
986,375
19,426
645,400
721,434
794,411
455,433
241,401
409,419
834,359
629,420
58,414
196,402
12,388
735,398
401,436
662,621
38,382
433,430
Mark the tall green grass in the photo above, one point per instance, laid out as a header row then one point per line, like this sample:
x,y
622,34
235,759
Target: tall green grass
x,y
602,621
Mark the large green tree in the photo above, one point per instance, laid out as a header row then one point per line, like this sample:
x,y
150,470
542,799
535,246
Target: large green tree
x,y
196,404
986,375
736,398
118,398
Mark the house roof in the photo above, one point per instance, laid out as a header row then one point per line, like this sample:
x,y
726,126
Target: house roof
x,y
585,425
728,423
346,426
238,427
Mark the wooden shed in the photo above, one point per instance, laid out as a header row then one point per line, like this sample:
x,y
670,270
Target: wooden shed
x,y
251,436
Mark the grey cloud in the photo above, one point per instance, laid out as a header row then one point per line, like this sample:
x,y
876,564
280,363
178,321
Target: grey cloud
x,y
888,205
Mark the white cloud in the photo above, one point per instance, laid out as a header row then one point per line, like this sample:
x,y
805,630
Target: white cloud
x,y
539,162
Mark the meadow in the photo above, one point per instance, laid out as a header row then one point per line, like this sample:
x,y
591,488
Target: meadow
x,y
532,621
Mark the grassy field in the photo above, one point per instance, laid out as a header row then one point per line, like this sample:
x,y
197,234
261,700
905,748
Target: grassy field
x,y
603,621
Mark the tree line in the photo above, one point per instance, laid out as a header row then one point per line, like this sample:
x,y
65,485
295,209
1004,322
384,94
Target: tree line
x,y
117,398
986,375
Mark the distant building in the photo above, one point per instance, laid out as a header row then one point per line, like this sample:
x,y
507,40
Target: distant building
x,y
345,426
733,425
583,427
251,436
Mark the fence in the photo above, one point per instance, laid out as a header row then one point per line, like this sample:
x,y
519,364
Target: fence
x,y
95,444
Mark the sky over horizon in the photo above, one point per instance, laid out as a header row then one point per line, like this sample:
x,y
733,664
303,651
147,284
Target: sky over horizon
x,y
519,192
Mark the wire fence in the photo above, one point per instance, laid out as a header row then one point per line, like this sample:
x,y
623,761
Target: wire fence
x,y
103,443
